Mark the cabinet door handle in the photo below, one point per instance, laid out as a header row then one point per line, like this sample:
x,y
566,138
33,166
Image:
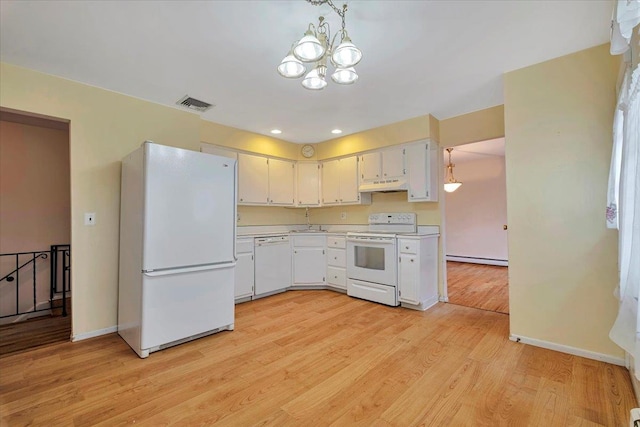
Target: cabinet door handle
x,y
411,260
406,247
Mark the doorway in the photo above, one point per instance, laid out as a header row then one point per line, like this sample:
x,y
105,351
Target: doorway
x,y
475,227
35,231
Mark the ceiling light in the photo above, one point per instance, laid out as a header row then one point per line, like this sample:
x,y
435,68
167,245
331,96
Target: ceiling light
x,y
276,131
291,67
451,183
314,80
336,131
345,76
316,46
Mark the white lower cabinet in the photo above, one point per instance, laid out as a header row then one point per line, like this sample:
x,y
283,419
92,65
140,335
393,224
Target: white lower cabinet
x,y
308,260
337,262
418,271
244,277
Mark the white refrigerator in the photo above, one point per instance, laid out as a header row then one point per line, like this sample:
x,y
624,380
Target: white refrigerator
x,y
177,246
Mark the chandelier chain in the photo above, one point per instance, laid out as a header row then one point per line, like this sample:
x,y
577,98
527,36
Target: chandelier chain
x,y
340,13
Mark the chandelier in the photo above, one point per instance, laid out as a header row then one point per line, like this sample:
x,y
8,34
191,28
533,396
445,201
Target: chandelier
x,y
451,183
314,48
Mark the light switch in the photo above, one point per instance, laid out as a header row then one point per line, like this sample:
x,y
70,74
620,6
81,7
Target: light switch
x,y
89,218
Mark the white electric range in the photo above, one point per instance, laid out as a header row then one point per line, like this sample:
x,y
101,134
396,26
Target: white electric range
x,y
372,257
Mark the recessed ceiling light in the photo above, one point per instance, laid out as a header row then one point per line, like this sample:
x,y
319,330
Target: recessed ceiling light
x,y
276,131
336,131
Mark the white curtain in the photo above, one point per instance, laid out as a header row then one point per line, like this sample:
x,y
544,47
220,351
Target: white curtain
x,y
626,329
626,15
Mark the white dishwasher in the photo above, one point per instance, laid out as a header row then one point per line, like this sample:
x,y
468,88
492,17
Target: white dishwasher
x,y
272,265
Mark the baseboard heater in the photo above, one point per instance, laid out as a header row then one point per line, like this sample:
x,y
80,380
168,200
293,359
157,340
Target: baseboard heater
x,y
477,260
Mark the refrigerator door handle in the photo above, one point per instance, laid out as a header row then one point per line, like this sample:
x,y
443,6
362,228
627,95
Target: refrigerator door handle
x,y
235,209
169,271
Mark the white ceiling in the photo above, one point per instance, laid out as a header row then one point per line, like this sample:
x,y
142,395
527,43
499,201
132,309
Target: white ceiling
x,y
440,57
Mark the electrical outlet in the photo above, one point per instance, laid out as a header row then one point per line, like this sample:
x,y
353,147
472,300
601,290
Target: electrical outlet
x,y
343,215
89,218
238,216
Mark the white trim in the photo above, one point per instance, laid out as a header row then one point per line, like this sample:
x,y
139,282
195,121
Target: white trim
x,y
423,306
630,365
93,334
472,260
569,350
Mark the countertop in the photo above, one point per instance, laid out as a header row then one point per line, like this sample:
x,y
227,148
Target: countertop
x,y
274,230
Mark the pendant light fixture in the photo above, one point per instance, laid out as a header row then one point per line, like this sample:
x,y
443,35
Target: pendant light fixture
x,y
314,47
451,183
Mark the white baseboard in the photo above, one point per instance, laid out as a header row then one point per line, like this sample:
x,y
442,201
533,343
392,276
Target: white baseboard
x,y
472,260
569,350
93,334
630,365
423,306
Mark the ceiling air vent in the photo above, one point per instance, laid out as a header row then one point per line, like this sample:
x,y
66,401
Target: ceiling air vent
x,y
194,104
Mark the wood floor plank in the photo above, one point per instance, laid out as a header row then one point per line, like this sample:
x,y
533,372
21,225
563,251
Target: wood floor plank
x,y
479,286
319,358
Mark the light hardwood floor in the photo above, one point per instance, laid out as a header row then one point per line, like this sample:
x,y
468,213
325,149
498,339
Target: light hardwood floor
x,y
480,286
317,358
36,332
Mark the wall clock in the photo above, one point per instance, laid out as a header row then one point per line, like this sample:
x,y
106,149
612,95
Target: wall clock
x,y
308,150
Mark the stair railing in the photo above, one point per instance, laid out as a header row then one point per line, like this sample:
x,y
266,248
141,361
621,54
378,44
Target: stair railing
x,y
60,261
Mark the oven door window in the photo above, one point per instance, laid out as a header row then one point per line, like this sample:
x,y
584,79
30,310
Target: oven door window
x,y
369,257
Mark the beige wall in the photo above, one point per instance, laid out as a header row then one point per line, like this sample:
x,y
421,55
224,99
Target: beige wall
x,y
480,125
562,259
104,127
396,133
224,136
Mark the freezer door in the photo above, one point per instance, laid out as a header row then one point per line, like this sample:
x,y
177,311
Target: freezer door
x,y
189,213
177,304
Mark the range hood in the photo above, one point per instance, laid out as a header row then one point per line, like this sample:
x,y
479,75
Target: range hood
x,y
384,185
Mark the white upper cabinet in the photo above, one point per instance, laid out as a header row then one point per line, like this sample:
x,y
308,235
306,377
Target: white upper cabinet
x,y
370,167
264,181
331,182
382,165
340,182
253,179
281,179
393,163
422,169
308,184
349,180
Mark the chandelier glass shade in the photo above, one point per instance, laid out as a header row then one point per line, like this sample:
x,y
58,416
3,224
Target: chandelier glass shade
x,y
314,80
345,76
451,184
291,67
317,47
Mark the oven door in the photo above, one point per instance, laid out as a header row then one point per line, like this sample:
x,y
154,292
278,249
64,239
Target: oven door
x,y
372,259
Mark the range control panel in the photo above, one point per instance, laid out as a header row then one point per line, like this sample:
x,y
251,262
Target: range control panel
x,y
408,218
